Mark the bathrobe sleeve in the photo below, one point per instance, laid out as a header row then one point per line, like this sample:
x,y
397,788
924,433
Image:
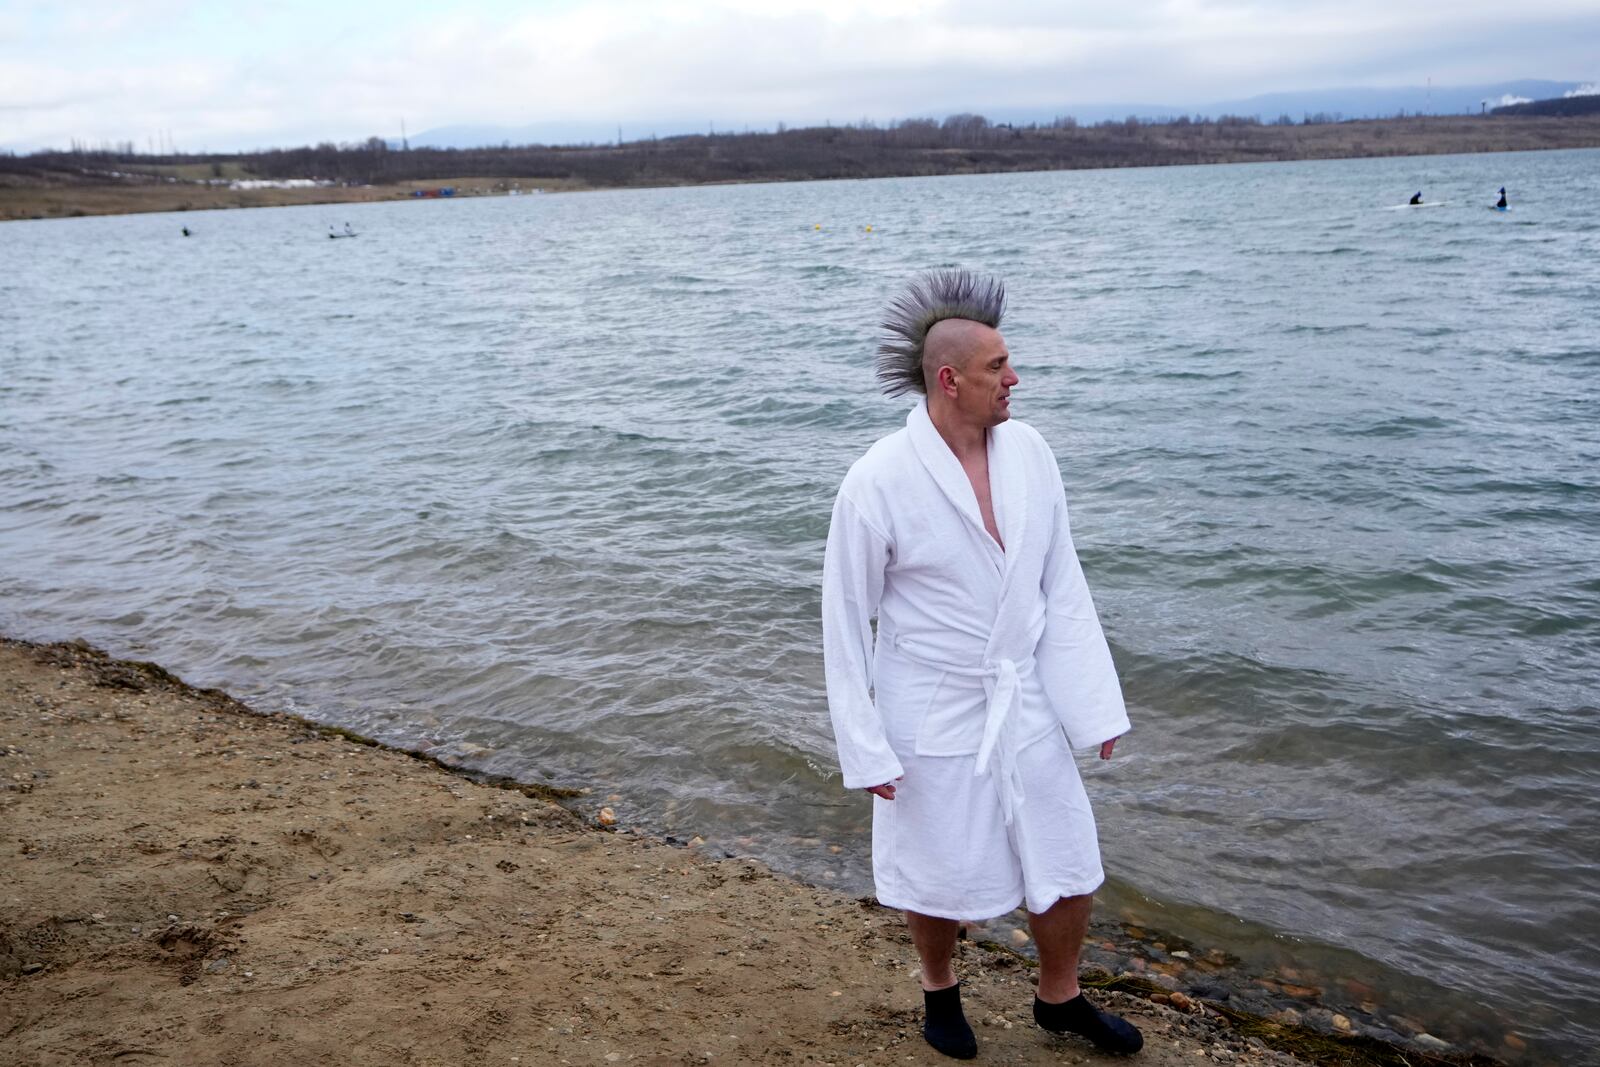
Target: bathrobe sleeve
x,y
852,583
1073,659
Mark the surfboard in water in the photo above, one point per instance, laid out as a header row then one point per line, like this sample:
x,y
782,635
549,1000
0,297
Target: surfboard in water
x,y
1406,207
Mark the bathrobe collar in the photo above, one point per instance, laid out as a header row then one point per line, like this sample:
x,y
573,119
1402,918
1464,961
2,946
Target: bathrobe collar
x,y
1007,481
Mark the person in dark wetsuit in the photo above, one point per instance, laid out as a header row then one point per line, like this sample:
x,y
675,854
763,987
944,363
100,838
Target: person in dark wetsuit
x,y
1501,203
1416,201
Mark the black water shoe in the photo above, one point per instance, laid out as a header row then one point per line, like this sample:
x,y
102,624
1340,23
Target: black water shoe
x,y
1078,1016
944,1024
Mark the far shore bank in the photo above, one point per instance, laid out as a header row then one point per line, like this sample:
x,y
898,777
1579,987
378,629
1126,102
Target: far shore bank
x,y
64,185
197,881
22,202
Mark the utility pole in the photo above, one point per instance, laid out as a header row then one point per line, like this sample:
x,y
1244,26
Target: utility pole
x,y
405,145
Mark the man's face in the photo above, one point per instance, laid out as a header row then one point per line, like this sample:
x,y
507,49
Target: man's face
x,y
984,391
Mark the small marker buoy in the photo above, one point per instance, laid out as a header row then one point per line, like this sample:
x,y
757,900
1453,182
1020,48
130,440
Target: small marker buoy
x,y
869,229
818,226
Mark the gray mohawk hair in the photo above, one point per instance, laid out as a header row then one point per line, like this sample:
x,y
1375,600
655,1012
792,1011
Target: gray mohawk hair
x,y
930,298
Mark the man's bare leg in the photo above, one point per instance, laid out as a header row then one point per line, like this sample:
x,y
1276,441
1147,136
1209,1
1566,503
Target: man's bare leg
x,y
1060,1006
935,940
943,1025
1059,934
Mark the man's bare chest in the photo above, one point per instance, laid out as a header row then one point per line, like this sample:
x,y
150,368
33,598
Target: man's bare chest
x,y
977,472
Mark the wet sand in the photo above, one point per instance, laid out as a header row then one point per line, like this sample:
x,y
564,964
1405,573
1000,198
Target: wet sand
x,y
190,881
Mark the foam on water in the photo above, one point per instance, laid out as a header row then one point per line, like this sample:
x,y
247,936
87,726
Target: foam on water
x,y
544,481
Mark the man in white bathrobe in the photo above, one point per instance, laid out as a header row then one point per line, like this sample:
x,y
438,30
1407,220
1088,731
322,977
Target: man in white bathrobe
x,y
987,667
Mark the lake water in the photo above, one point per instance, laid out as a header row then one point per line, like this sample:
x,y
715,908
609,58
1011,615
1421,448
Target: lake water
x,y
543,483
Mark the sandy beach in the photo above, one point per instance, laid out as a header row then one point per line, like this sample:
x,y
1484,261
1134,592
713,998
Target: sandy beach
x,y
193,882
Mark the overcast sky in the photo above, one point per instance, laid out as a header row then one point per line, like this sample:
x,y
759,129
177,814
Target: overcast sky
x,y
229,76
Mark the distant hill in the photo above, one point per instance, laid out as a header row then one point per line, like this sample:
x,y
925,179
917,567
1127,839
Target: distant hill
x,y
1385,103
1588,104
1346,103
483,135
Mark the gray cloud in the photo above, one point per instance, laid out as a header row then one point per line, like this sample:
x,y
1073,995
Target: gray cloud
x,y
729,61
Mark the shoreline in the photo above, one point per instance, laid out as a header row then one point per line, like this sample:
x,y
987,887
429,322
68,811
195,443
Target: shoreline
x,y
36,203
22,200
199,879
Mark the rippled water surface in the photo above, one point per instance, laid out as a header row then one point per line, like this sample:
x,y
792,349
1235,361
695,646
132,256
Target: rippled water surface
x,y
544,482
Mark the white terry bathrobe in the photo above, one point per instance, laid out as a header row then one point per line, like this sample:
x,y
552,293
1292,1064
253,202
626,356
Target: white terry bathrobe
x,y
987,664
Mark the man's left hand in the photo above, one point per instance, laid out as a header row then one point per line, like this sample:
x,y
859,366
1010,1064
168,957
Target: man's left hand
x,y
1105,749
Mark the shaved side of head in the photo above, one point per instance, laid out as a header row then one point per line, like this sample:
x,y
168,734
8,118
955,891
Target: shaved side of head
x,y
952,343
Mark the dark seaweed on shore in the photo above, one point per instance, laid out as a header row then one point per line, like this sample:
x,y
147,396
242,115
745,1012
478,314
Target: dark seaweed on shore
x,y
1310,1045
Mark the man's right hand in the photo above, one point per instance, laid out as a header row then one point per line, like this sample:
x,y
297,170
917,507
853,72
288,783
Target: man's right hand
x,y
886,790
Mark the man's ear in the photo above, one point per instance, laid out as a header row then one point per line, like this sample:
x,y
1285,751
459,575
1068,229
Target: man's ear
x,y
947,378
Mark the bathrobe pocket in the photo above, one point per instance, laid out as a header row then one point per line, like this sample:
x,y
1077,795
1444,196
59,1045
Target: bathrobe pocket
x,y
953,717
927,711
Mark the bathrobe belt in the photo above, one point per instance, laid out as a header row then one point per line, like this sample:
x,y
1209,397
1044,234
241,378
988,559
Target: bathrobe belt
x,y
1003,680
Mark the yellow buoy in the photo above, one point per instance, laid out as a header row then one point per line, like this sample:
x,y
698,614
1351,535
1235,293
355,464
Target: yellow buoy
x,y
869,229
818,226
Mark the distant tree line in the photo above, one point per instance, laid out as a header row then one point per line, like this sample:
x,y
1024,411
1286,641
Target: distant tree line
x,y
1560,106
962,143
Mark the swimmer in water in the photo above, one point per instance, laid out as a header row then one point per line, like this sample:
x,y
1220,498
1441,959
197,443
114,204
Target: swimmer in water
x,y
1416,201
1501,203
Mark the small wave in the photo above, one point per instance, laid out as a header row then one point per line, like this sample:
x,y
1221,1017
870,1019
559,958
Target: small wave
x,y
1312,328
774,411
1404,426
1193,375
1554,487
1579,358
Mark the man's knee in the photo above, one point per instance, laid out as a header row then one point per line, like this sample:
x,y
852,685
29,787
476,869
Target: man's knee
x,y
1065,904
